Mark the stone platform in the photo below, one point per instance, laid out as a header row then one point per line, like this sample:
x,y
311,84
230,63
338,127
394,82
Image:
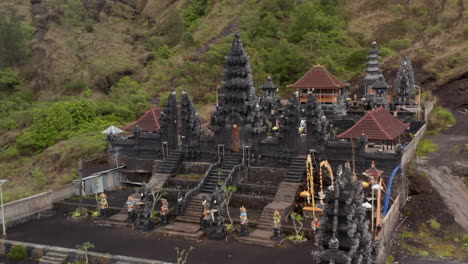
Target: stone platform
x,y
181,230
261,238
116,221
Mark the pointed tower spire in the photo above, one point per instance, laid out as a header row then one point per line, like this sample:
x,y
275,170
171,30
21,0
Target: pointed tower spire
x,y
404,83
373,70
168,121
191,129
237,102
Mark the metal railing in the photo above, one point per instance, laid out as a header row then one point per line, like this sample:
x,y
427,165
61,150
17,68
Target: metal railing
x,y
230,181
190,194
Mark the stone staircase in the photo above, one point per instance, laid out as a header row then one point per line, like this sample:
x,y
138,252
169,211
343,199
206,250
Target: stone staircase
x,y
283,202
220,174
193,210
171,163
53,257
188,225
296,170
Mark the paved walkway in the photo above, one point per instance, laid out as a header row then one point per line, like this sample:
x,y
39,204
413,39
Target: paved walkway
x,y
447,166
57,231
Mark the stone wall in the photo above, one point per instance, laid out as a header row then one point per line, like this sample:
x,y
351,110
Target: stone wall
x,y
194,168
389,224
26,208
250,201
37,251
264,176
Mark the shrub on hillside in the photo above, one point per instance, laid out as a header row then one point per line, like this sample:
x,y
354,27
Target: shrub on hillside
x,y
399,44
129,93
76,86
425,147
17,253
8,81
440,119
14,40
434,224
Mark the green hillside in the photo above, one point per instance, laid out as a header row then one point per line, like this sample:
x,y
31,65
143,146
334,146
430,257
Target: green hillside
x,y
69,68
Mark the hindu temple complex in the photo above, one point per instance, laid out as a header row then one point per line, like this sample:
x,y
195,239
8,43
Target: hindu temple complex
x,y
322,170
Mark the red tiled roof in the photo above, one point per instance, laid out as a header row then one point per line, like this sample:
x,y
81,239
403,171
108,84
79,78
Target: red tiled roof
x,y
377,124
373,171
148,121
318,77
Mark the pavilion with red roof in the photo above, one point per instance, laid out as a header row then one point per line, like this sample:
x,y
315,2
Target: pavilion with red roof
x,y
323,84
379,125
148,122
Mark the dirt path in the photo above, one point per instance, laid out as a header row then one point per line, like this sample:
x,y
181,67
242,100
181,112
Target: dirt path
x,y
447,166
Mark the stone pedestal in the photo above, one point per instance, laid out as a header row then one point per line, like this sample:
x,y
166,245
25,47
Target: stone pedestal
x,y
131,217
244,230
164,220
216,232
277,236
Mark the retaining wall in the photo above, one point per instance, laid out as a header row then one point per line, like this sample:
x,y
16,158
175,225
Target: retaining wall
x,y
36,251
389,224
27,208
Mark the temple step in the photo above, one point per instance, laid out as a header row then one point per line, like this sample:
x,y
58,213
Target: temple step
x,y
54,258
260,238
181,230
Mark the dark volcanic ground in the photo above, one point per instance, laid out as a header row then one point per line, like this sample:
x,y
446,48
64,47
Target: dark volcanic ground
x,y
58,231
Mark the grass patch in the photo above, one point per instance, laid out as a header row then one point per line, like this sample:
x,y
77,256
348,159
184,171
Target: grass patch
x,y
428,241
425,147
189,176
390,260
434,224
440,119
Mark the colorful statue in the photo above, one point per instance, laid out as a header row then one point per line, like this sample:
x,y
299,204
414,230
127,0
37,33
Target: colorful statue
x,y
103,202
315,224
277,236
244,222
277,219
164,207
243,216
164,212
131,204
206,213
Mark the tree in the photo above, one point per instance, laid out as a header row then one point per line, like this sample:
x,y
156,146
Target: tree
x,y
297,218
8,81
182,255
14,40
228,192
157,194
129,92
85,246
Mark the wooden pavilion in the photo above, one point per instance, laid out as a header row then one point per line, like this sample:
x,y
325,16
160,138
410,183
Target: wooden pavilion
x,y
379,125
326,87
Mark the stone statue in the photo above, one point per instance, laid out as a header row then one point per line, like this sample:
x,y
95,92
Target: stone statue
x,y
103,205
131,204
144,222
244,222
277,236
206,215
164,212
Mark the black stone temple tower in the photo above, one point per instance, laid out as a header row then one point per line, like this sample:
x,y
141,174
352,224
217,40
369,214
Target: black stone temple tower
x,y
232,122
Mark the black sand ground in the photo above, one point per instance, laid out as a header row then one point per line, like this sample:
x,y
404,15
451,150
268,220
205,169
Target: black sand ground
x,y
58,231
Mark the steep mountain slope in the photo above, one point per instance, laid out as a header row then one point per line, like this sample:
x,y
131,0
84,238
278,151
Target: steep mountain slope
x,y
80,50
